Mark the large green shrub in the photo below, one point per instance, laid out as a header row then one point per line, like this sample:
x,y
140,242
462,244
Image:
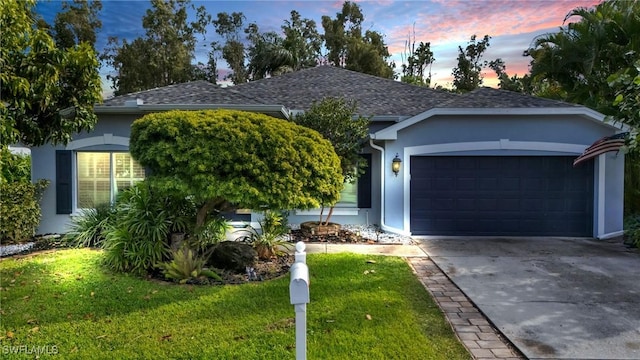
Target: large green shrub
x,y
15,167
19,198
226,159
19,210
136,231
136,239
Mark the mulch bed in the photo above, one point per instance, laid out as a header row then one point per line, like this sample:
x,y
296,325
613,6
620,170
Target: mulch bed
x,y
343,237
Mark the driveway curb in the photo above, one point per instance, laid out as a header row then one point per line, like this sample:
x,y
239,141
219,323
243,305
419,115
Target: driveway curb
x,y
476,333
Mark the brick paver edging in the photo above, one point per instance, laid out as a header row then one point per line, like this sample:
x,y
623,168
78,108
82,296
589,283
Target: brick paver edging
x,y
472,328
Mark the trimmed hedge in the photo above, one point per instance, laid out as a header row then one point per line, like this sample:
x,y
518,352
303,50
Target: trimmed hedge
x,y
19,210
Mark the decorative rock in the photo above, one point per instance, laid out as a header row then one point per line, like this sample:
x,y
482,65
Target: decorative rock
x,y
311,228
233,255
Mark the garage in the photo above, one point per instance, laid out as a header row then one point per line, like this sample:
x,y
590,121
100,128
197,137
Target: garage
x,y
501,196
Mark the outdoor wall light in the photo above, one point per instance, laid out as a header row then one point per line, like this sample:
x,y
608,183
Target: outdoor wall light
x,y
395,165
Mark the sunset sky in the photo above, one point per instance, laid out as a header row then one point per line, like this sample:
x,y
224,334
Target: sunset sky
x,y
446,24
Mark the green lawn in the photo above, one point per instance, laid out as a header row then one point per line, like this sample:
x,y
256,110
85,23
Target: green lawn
x,y
64,301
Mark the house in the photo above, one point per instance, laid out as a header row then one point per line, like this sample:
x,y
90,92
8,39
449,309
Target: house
x,y
486,163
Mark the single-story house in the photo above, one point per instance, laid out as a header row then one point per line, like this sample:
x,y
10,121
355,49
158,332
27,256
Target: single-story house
x,y
485,163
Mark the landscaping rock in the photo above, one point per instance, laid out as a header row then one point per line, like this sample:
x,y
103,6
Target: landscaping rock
x,y
233,255
312,228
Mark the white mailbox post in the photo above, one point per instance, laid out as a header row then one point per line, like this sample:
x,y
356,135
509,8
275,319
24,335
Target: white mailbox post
x,y
299,295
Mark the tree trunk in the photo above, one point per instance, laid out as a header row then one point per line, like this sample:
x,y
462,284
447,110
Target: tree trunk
x,y
328,216
210,205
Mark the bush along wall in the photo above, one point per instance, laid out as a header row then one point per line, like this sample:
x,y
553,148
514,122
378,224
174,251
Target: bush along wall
x,y
19,198
19,210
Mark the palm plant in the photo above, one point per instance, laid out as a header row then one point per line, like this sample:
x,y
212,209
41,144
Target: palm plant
x,y
137,239
88,229
271,239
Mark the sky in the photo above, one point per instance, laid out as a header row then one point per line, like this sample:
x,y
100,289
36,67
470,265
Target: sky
x,y
446,24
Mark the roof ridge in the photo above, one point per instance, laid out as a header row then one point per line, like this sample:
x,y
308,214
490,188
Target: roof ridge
x,y
165,87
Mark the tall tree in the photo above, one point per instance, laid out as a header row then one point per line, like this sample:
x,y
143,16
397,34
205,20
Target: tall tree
x,y
267,55
511,83
164,55
414,68
350,49
229,26
336,120
583,54
77,22
467,75
47,92
271,54
302,40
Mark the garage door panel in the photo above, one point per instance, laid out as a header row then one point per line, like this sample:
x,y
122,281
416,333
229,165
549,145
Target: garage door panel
x,y
509,183
491,195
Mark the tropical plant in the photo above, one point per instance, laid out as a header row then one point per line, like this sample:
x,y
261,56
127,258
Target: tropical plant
x,y
211,233
579,59
186,265
226,159
271,239
88,228
137,238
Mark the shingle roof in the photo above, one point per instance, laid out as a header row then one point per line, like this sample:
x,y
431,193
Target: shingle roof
x,y
298,90
494,98
194,92
374,95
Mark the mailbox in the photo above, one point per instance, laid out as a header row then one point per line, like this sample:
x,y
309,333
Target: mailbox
x,y
299,285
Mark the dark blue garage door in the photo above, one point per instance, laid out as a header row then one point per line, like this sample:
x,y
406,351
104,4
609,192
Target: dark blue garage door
x,y
501,195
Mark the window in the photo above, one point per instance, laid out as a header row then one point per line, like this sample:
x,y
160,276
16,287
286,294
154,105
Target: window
x,y
349,195
101,175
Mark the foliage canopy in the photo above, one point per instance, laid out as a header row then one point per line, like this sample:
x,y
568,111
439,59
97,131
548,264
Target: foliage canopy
x,y
336,120
226,158
578,59
47,92
163,56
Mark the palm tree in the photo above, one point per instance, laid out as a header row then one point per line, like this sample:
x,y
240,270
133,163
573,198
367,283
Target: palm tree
x,y
580,57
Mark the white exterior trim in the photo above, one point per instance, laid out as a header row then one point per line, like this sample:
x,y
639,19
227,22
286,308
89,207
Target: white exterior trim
x,y
600,194
611,235
391,132
336,211
106,139
502,144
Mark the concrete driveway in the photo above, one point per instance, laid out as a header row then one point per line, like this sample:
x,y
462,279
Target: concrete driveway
x,y
553,298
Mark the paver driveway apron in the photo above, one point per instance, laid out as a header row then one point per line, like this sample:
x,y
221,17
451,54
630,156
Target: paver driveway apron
x,y
553,298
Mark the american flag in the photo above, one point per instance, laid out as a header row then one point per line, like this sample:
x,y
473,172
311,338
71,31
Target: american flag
x,y
603,145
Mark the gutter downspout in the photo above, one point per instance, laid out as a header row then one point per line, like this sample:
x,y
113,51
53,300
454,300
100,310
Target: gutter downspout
x,y
381,149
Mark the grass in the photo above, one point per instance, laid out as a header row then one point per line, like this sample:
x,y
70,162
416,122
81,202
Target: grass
x,y
64,301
